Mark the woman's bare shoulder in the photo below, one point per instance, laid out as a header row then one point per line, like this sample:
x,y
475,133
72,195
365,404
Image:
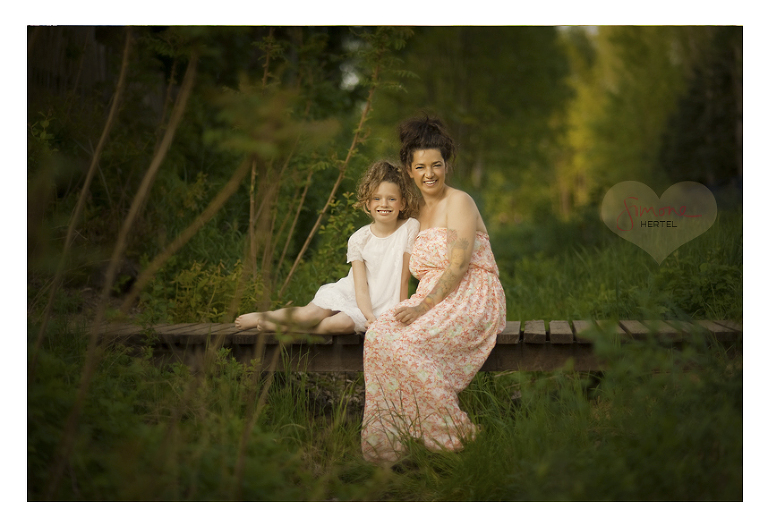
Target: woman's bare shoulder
x,y
462,204
459,198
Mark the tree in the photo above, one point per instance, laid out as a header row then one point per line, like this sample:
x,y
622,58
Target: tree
x,y
499,91
653,104
703,139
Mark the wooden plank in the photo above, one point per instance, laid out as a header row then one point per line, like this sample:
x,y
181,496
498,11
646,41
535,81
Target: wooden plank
x,y
234,336
248,336
184,328
349,339
537,350
664,331
208,333
138,335
127,333
535,332
587,330
611,327
560,332
252,336
720,332
175,334
120,329
161,327
510,335
225,333
346,354
734,326
506,352
212,328
312,339
583,330
690,331
635,329
111,326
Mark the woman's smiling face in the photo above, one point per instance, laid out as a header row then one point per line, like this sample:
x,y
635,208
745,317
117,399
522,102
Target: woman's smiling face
x,y
428,170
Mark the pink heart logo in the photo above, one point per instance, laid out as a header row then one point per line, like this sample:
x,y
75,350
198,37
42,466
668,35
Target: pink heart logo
x,y
659,225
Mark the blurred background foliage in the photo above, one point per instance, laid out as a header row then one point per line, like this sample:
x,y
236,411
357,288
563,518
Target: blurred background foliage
x,y
546,119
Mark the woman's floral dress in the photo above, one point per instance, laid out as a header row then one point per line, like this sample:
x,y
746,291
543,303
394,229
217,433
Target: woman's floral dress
x,y
413,373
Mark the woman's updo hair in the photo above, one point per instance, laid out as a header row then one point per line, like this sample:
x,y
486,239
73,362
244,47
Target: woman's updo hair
x,y
424,133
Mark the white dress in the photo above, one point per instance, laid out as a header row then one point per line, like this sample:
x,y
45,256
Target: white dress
x,y
383,258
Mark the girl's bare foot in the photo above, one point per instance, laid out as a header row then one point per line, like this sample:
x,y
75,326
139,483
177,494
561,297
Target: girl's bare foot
x,y
267,326
249,321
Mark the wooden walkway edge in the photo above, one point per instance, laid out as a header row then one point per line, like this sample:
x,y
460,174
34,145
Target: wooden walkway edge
x,y
532,345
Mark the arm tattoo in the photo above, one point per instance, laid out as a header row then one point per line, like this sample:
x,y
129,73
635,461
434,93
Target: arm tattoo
x,y
460,253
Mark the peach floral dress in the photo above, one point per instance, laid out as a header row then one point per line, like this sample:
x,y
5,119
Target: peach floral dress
x,y
413,373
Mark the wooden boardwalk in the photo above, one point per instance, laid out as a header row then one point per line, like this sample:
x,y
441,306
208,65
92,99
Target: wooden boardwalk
x,y
531,345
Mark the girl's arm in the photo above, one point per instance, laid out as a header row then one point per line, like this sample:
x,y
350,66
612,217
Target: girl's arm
x,y
461,224
405,277
362,295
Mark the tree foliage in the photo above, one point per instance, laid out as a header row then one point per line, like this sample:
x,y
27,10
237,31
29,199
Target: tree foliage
x,y
546,120
499,90
703,140
652,104
275,98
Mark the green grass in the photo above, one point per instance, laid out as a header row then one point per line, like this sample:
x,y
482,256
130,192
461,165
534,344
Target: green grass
x,y
618,280
656,425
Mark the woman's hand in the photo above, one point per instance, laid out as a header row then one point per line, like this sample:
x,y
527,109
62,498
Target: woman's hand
x,y
369,321
408,315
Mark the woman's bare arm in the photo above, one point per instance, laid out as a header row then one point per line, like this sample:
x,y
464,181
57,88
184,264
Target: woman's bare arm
x,y
461,225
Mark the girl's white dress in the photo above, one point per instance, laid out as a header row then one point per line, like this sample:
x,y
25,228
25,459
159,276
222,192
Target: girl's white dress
x,y
383,258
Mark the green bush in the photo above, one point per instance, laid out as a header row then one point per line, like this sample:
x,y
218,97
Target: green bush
x,y
200,293
157,433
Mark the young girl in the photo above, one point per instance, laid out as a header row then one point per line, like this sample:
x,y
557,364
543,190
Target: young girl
x,y
379,253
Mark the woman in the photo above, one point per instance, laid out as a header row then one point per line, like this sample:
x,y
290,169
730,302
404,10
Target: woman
x,y
421,354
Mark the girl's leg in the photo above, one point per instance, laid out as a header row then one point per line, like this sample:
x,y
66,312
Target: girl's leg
x,y
339,323
287,319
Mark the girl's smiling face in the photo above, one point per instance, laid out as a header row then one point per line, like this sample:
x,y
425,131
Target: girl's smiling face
x,y
428,171
386,203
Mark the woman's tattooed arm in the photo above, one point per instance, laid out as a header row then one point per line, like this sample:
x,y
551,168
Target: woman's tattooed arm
x,y
461,226
460,252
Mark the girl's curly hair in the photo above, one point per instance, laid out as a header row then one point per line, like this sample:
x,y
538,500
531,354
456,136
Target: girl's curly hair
x,y
385,171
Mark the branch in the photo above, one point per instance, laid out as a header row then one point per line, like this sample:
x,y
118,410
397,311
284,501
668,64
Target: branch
x,y
252,220
295,220
211,210
93,351
84,191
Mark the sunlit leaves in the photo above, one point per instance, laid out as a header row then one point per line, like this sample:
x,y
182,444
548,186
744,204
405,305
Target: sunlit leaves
x,y
264,122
